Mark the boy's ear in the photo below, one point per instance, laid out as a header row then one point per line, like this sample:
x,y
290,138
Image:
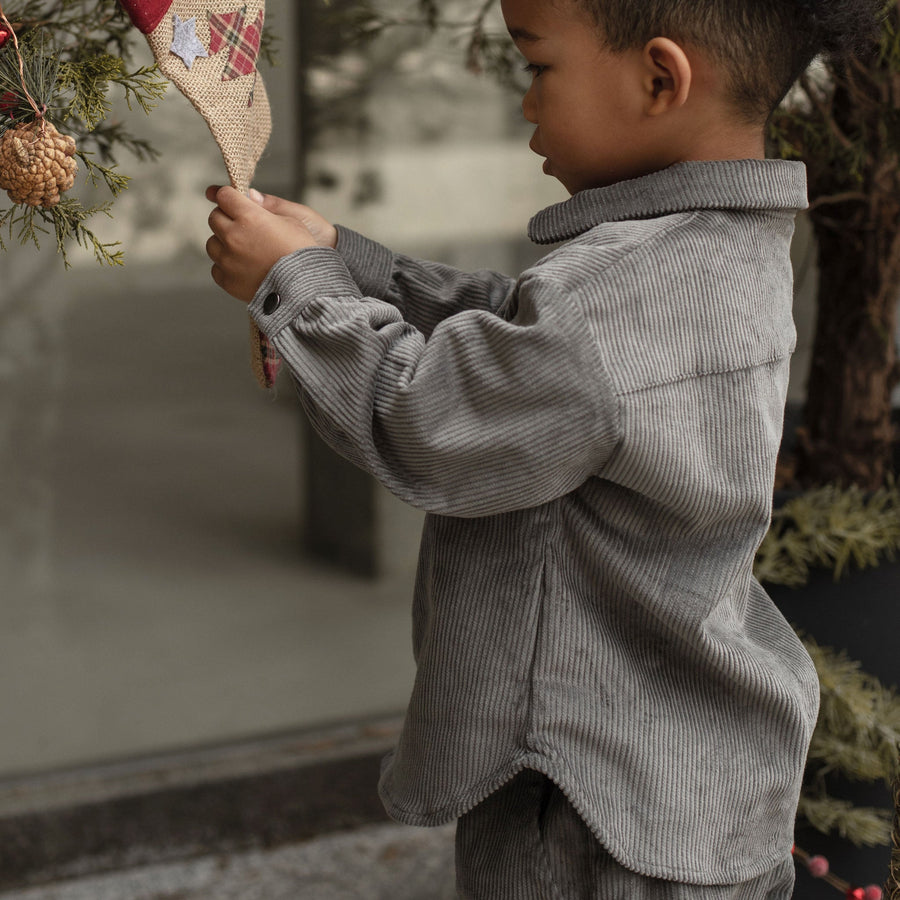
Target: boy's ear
x,y
667,76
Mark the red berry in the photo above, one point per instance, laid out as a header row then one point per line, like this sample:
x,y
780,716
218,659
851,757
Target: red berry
x,y
5,35
856,894
818,866
873,892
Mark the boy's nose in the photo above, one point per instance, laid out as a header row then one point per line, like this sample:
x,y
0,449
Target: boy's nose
x,y
529,107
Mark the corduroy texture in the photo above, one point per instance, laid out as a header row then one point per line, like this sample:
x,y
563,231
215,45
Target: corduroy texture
x,y
526,842
595,445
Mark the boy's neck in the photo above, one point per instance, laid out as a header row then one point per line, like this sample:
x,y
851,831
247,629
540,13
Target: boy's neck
x,y
725,143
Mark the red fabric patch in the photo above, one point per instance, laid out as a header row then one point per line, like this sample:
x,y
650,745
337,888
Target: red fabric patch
x,y
232,30
270,361
146,14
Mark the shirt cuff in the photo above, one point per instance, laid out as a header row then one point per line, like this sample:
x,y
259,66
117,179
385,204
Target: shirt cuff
x,y
371,264
294,282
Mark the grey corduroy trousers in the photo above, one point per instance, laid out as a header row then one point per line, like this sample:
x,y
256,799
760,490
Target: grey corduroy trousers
x,y
526,842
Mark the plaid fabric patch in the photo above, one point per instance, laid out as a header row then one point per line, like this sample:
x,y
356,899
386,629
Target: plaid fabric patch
x,y
231,30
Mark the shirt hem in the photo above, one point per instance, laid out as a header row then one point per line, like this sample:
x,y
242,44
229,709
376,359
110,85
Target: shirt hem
x,y
557,774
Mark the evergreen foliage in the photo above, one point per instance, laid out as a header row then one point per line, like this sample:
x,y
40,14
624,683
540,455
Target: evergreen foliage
x,y
475,24
858,730
892,886
856,736
74,53
830,528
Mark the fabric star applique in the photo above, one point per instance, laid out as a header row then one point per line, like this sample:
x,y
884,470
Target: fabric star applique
x,y
185,43
242,38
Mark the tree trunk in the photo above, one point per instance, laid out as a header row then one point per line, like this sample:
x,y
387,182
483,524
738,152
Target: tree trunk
x,y
848,434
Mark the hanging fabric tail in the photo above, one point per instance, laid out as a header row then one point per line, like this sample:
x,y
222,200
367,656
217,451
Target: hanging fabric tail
x,y
209,49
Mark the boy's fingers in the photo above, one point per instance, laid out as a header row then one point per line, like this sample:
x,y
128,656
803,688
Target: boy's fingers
x,y
211,192
214,249
273,204
218,221
233,202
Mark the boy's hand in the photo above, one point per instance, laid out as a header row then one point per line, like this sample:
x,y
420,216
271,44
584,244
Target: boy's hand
x,y
322,230
249,239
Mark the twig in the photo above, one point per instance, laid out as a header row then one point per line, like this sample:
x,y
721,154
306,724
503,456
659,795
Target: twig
x,y
838,198
892,885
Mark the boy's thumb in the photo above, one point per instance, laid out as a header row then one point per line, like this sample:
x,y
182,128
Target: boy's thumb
x,y
256,196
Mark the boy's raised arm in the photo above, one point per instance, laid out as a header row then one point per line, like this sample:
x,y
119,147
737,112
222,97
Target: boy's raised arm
x,y
424,292
486,416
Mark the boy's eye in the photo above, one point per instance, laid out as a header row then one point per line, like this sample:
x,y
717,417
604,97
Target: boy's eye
x,y
534,69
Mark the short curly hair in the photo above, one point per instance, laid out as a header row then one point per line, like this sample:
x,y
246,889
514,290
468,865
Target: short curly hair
x,y
765,44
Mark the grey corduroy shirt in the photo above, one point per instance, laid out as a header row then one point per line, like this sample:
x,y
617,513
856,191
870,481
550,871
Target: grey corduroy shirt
x,y
594,444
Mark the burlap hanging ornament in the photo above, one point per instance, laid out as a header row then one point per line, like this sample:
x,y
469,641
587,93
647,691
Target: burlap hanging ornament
x,y
208,49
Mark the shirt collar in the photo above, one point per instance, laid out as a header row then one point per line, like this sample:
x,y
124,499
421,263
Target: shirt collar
x,y
746,184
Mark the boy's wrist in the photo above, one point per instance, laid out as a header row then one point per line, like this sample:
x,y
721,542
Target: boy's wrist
x,y
371,264
294,282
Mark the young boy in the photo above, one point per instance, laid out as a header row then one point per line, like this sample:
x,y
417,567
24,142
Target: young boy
x,y
605,697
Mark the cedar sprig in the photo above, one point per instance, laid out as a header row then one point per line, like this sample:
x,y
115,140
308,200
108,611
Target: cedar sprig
x,y
863,826
69,225
114,180
856,737
87,81
65,222
832,528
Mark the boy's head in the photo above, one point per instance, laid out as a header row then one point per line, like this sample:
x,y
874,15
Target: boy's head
x,y
621,88
761,47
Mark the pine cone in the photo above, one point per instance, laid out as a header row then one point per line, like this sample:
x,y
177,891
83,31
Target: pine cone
x,y
36,163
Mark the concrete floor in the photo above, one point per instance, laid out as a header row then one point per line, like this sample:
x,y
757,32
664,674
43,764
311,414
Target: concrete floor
x,y
161,598
378,862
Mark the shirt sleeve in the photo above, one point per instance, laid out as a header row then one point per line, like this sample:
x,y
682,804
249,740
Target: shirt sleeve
x,y
486,416
426,293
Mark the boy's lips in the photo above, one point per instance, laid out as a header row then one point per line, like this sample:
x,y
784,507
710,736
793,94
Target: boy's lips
x,y
532,145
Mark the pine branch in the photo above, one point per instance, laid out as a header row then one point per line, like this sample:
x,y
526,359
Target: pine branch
x,y
892,886
829,528
855,708
862,826
856,735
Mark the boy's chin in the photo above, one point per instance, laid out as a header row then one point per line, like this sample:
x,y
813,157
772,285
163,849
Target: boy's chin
x,y
560,177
